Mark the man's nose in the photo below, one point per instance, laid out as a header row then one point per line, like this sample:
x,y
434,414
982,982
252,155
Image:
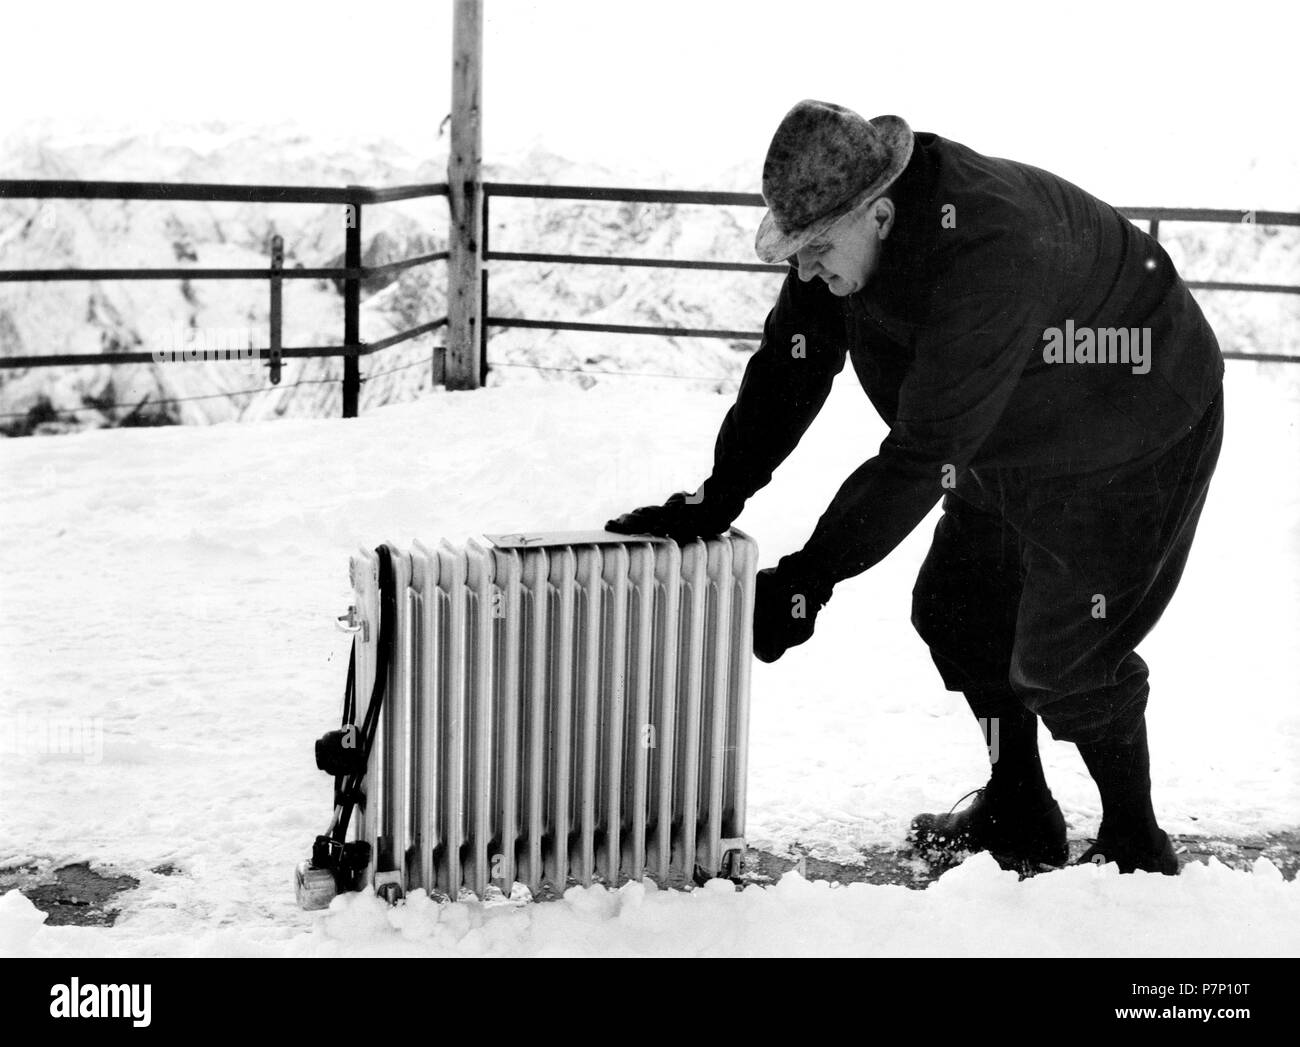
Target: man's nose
x,y
807,266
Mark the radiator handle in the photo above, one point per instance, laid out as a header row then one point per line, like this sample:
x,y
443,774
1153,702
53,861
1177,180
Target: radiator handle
x,y
350,623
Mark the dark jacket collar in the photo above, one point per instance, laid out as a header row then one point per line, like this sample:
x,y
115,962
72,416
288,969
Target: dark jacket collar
x,y
909,252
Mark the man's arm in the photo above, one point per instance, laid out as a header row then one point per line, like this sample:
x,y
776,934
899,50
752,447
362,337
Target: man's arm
x,y
786,382
969,357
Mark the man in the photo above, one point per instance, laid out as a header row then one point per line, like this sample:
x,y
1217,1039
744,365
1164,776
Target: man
x,y
1045,372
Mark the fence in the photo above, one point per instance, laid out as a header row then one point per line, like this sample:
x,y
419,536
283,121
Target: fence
x,y
354,198
1152,215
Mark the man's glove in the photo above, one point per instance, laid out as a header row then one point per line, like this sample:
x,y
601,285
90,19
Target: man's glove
x,y
678,518
785,610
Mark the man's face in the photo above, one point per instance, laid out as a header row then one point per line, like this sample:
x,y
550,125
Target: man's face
x,y
847,254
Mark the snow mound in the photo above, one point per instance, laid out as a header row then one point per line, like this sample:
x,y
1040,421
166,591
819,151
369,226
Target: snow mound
x,y
975,909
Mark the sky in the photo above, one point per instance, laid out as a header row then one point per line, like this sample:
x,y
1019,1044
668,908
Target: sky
x,y
1140,102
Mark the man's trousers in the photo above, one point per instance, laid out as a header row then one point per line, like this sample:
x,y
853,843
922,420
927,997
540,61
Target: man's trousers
x,y
1039,588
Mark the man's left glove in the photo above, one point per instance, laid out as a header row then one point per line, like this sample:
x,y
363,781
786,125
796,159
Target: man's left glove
x,y
785,610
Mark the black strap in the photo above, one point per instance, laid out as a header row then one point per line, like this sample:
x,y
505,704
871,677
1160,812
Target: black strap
x,y
350,689
349,712
347,788
387,621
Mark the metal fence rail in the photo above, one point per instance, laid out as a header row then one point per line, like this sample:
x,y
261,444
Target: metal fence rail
x,y
353,198
590,194
353,272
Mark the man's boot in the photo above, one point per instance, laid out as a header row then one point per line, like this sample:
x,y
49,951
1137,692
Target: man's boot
x,y
1129,835
1014,816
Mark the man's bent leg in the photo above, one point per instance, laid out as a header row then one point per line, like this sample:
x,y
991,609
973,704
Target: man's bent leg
x,y
1102,562
964,606
966,600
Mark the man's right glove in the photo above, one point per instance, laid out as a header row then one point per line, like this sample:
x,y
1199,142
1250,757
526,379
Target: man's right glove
x,y
785,610
678,518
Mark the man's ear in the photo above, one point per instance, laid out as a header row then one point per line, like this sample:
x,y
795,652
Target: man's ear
x,y
880,216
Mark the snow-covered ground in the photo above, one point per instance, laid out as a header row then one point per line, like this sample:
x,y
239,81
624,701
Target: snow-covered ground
x,y
173,590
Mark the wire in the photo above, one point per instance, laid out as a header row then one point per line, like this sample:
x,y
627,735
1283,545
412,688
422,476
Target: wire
x,y
366,378
175,399
626,374
400,367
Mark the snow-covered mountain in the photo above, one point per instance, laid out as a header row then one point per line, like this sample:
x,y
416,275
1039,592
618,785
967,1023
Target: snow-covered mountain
x,y
101,318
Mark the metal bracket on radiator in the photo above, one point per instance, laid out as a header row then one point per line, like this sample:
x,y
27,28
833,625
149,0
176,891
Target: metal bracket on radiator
x,y
730,865
350,623
388,886
733,857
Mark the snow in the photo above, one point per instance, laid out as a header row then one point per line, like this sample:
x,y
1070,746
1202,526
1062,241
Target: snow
x,y
976,909
171,592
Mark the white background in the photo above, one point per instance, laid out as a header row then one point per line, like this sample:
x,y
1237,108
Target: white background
x,y
1185,104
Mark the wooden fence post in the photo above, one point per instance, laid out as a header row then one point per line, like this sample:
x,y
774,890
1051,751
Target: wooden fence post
x,y
352,308
465,195
277,298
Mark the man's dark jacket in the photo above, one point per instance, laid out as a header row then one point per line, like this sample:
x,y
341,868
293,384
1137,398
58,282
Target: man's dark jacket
x,y
947,339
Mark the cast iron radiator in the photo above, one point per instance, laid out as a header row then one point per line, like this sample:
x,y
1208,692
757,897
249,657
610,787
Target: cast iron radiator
x,y
560,708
